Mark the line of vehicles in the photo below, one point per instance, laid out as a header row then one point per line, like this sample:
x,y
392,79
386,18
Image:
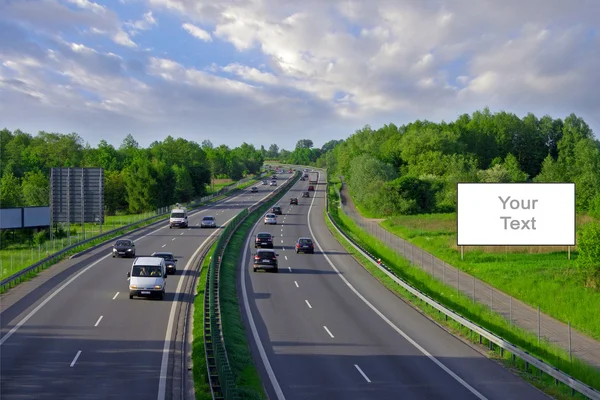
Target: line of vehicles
x,y
148,274
265,257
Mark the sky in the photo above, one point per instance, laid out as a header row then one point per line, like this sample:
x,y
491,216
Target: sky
x,y
277,71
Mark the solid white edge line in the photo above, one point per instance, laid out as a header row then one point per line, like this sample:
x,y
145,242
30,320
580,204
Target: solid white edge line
x,y
75,359
308,304
362,373
115,296
99,319
390,323
84,270
328,331
162,382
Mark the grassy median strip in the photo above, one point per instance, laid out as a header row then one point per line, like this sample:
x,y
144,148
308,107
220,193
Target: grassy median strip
x,y
247,377
463,305
200,369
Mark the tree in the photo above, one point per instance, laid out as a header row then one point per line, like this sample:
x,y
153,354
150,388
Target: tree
x,y
10,191
304,144
36,189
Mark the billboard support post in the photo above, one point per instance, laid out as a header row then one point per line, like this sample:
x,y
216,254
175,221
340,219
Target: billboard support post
x,y
462,253
569,252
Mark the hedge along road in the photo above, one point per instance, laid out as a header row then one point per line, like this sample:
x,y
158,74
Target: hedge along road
x,y
84,338
323,327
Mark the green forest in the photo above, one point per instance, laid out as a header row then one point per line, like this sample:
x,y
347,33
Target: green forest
x,y
414,168
136,179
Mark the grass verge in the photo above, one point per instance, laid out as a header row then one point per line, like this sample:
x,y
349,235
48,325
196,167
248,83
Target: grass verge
x,y
539,278
200,369
247,377
463,305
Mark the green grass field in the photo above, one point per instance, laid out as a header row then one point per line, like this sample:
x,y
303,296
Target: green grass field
x,y
540,276
462,304
199,369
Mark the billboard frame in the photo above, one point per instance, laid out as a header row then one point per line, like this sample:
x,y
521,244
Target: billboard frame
x,y
462,246
73,187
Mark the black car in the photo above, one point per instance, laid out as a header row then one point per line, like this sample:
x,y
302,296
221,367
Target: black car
x,y
123,248
301,178
294,200
170,261
276,210
265,259
305,245
263,239
254,189
305,194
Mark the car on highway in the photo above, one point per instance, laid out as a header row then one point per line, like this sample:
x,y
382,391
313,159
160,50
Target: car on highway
x,y
170,260
294,200
273,183
265,259
305,245
148,277
264,182
123,248
208,222
276,210
311,188
263,239
273,176
302,178
305,194
254,189
271,218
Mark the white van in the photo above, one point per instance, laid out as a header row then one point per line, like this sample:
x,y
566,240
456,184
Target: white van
x,y
148,277
179,218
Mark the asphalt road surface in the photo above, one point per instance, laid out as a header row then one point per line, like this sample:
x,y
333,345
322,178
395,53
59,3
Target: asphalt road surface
x,y
324,328
88,340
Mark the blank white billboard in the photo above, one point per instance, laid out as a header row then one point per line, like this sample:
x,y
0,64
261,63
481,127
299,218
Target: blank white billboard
x,y
516,214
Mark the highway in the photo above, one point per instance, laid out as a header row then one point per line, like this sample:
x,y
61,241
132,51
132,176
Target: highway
x,y
73,332
324,328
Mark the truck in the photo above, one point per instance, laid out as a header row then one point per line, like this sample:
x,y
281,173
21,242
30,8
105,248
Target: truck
x,y
313,178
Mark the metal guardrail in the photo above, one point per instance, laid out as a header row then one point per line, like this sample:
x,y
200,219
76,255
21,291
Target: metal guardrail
x,y
220,376
53,258
558,375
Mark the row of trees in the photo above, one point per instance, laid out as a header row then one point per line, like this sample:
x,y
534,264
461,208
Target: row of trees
x,y
136,179
414,168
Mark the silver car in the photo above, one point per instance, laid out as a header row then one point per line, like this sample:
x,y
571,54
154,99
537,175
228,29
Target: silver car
x,y
208,222
271,218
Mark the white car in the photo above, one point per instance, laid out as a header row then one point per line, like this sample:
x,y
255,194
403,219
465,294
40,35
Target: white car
x,y
271,218
273,183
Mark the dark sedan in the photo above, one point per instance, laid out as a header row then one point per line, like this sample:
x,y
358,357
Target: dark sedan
x,y
170,261
123,248
305,245
294,200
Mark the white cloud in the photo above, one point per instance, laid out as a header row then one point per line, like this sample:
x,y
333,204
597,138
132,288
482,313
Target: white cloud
x,y
342,63
197,32
147,22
